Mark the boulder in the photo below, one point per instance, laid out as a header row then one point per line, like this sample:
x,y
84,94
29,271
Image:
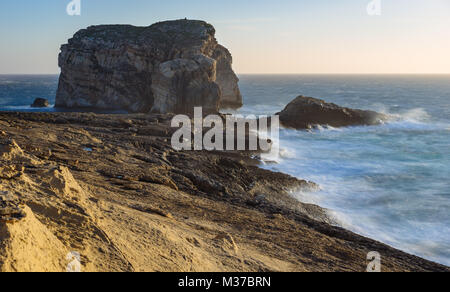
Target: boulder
x,y
168,67
40,103
307,112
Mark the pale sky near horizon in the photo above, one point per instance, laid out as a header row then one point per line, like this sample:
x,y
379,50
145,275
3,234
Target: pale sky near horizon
x,y
264,36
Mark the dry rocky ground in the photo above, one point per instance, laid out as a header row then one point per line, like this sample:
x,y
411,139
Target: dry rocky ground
x,y
111,188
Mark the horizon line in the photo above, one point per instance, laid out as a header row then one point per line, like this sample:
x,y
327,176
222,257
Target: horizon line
x,y
250,73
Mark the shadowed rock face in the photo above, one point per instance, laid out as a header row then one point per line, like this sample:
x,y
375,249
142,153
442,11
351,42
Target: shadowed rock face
x,y
40,102
306,112
11,209
227,79
170,66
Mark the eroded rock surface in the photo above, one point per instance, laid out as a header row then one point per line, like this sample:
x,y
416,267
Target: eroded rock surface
x,y
11,208
307,112
167,67
106,187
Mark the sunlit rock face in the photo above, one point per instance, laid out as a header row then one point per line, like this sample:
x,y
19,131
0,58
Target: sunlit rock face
x,y
170,66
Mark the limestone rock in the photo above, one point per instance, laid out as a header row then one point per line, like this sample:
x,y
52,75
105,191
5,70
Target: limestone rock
x,y
170,66
10,171
227,79
11,208
11,153
135,204
40,102
227,241
28,246
9,150
306,112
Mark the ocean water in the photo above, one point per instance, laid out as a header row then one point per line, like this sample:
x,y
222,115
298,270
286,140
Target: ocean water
x,y
388,182
18,92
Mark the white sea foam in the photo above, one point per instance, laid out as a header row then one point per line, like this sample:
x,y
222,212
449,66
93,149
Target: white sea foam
x,y
26,107
417,115
18,107
7,82
287,153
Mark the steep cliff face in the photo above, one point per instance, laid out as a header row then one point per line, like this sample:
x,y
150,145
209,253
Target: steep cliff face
x,y
227,79
168,67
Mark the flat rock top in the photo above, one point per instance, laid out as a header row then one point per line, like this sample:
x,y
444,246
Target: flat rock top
x,y
176,30
304,101
307,103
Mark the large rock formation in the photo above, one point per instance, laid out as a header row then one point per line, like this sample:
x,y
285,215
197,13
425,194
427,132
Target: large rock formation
x,y
306,112
168,67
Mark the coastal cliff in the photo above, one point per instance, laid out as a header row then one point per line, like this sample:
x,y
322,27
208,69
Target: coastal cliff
x,y
170,66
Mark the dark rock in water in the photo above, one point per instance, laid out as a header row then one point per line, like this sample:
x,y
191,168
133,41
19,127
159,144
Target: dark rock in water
x,y
40,102
170,66
307,112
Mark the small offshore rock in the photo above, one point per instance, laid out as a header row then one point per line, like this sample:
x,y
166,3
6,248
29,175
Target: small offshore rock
x,y
306,113
40,103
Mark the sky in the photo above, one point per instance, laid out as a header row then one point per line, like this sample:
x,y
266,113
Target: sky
x,y
264,36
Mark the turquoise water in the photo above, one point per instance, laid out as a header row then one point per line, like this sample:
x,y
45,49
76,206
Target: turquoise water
x,y
388,182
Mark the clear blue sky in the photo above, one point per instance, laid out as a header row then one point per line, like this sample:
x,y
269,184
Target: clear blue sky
x,y
265,36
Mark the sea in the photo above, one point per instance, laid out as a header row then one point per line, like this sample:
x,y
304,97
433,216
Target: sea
x,y
389,182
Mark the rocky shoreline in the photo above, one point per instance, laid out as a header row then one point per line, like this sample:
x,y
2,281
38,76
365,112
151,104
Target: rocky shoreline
x,y
111,188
